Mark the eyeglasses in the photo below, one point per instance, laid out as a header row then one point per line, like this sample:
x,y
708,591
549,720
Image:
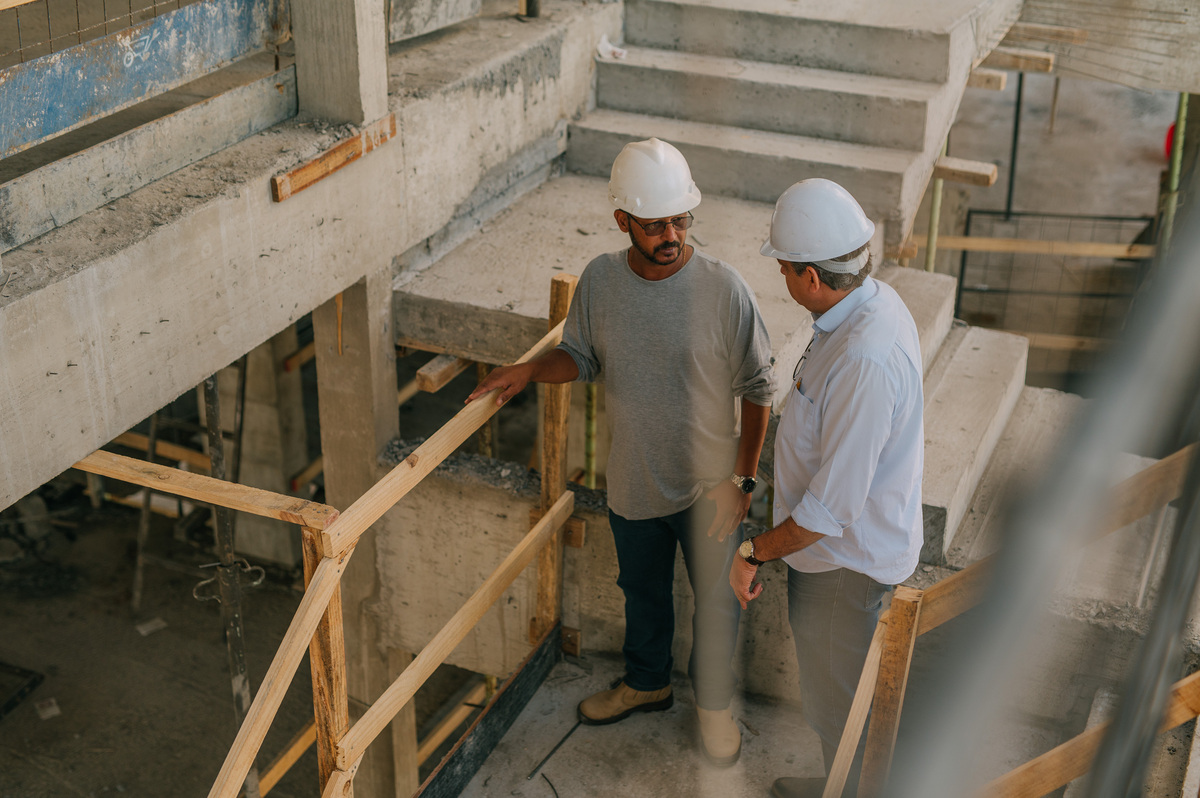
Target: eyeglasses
x,y
796,372
657,228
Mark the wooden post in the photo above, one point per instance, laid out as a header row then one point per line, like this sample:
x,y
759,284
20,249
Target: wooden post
x,y
889,688
327,661
554,476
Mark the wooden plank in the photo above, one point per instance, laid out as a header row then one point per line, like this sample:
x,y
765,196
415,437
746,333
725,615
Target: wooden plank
x,y
325,580
47,96
327,662
574,531
905,251
1064,343
859,708
405,476
344,152
1019,60
434,375
572,641
961,170
171,451
301,356
990,79
7,4
1148,490
1032,31
452,721
954,595
1081,249
1073,758
903,614
554,473
291,752
206,489
354,744
456,770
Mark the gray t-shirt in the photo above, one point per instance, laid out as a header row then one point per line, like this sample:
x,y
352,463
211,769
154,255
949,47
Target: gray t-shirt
x,y
675,356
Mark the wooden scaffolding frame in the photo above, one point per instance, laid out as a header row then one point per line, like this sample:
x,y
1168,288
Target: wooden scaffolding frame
x,y
329,538
914,612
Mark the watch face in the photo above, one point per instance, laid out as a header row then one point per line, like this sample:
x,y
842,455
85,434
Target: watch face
x,y
747,484
746,549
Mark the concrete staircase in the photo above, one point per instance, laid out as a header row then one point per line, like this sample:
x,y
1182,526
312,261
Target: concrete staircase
x,y
762,93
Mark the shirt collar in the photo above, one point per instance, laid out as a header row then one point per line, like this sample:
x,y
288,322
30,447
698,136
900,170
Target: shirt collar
x,y
831,319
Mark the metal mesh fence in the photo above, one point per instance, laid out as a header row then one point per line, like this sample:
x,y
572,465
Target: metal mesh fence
x,y
40,27
1070,307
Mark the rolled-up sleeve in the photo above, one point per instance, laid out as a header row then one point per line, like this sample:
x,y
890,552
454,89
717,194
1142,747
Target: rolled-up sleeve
x,y
856,420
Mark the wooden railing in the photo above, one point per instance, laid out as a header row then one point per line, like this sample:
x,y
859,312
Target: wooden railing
x,y
328,543
914,612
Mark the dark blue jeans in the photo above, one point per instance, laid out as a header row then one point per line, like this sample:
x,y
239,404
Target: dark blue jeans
x,y
646,556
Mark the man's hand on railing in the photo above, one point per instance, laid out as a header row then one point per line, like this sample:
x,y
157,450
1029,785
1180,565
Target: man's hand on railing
x,y
511,380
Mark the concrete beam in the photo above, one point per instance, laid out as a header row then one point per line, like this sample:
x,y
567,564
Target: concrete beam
x,y
111,316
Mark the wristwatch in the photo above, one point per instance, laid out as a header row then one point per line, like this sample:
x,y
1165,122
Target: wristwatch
x,y
745,484
746,552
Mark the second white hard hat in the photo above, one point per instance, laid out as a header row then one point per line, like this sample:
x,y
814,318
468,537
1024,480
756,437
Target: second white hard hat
x,y
651,180
816,220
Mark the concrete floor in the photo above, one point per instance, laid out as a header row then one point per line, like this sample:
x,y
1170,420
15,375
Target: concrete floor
x,y
652,754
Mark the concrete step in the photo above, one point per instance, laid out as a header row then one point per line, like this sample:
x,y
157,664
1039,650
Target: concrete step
x,y
810,34
1035,428
970,392
756,164
930,299
839,106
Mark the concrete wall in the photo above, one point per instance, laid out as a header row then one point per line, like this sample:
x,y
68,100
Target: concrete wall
x,y
111,316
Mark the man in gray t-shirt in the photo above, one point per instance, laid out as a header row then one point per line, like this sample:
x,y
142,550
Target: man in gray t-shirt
x,y
677,339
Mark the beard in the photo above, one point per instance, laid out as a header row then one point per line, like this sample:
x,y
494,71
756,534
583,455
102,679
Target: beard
x,y
657,254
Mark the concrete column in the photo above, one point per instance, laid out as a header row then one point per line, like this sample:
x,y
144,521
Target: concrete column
x,y
341,59
357,394
274,443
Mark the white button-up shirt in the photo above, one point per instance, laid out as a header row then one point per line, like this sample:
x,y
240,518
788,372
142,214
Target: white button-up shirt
x,y
850,446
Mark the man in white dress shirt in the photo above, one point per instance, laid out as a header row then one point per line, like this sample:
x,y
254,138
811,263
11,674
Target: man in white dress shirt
x,y
848,458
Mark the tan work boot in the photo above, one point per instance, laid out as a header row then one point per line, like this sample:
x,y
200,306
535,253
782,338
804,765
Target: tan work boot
x,y
622,701
720,739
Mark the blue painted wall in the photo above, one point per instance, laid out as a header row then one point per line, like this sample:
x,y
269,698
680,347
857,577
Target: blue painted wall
x,y
61,91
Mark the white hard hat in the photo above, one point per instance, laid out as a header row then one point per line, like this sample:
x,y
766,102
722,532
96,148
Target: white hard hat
x,y
816,220
651,180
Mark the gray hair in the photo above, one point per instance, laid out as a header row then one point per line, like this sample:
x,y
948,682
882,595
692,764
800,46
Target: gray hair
x,y
840,282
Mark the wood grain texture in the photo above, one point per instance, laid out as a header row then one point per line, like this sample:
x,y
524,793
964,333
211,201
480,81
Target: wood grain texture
x,y
327,662
554,472
1019,60
339,155
206,489
890,685
434,375
354,744
962,170
990,79
407,475
1032,31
